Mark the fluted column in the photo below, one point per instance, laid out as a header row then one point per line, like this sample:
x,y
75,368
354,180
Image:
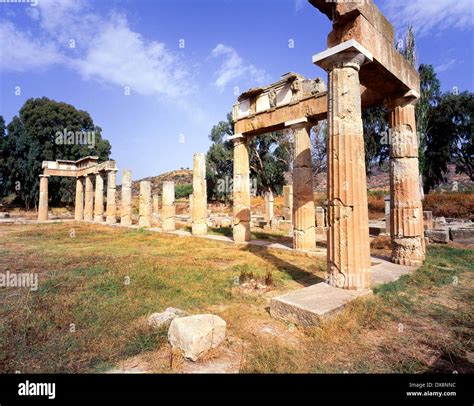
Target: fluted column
x,y
199,213
99,198
304,232
43,198
288,202
144,219
241,191
111,209
269,213
406,211
348,221
126,204
89,199
168,209
79,209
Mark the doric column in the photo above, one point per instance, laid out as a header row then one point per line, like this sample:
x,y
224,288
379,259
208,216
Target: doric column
x,y
288,202
348,221
406,228
126,205
168,210
111,209
89,199
99,198
304,232
199,213
269,206
43,198
144,219
79,210
241,191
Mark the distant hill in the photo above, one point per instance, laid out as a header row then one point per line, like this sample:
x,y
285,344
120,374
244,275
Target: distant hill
x,y
179,177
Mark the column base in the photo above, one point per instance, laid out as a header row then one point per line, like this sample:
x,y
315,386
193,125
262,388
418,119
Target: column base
x,y
241,232
199,229
304,240
98,219
408,251
144,223
111,220
124,221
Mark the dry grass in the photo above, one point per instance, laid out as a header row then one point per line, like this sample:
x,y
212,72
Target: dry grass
x,y
83,281
450,204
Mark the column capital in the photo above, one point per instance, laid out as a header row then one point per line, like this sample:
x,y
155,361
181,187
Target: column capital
x,y
301,122
349,54
44,176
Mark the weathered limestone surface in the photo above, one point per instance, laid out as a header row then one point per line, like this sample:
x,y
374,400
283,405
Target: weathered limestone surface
x,y
269,206
304,233
462,235
79,207
168,210
406,227
288,202
199,211
111,208
164,319
348,220
99,198
89,199
438,236
126,206
144,219
43,198
196,335
241,191
428,220
156,209
387,213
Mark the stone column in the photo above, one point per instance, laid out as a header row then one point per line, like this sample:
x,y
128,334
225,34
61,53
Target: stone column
x,y
348,221
144,219
168,209
405,203
111,203
304,232
387,213
126,205
79,210
288,202
268,206
89,199
99,198
241,191
156,209
43,198
191,206
199,213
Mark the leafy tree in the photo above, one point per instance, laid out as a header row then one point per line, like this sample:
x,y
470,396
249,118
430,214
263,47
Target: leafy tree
x,y
33,137
183,190
2,155
319,147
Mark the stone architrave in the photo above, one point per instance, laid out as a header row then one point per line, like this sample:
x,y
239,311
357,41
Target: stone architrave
x,y
89,199
199,213
111,208
79,204
144,219
99,198
304,232
288,202
126,205
43,198
168,209
241,190
269,206
405,204
348,221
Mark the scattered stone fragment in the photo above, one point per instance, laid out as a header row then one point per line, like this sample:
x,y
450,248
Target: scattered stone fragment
x,y
164,319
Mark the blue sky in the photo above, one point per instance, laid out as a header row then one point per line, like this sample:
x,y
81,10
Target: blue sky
x,y
185,60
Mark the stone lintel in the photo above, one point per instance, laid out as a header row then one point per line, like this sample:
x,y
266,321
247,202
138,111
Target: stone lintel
x,y
298,122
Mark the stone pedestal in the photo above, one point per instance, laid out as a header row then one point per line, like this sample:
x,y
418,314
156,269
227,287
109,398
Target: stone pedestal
x,y
241,191
89,199
126,205
405,206
288,202
99,198
269,206
144,219
79,206
199,213
348,220
304,233
43,198
168,210
111,209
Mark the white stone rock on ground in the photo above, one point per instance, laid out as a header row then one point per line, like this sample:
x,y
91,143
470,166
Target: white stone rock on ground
x,y
196,335
164,319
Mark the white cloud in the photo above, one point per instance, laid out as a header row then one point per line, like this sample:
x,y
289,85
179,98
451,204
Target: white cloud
x,y
446,66
429,16
233,67
20,51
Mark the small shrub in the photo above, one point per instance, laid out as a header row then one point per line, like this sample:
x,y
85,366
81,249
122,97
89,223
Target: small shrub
x,y
183,190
